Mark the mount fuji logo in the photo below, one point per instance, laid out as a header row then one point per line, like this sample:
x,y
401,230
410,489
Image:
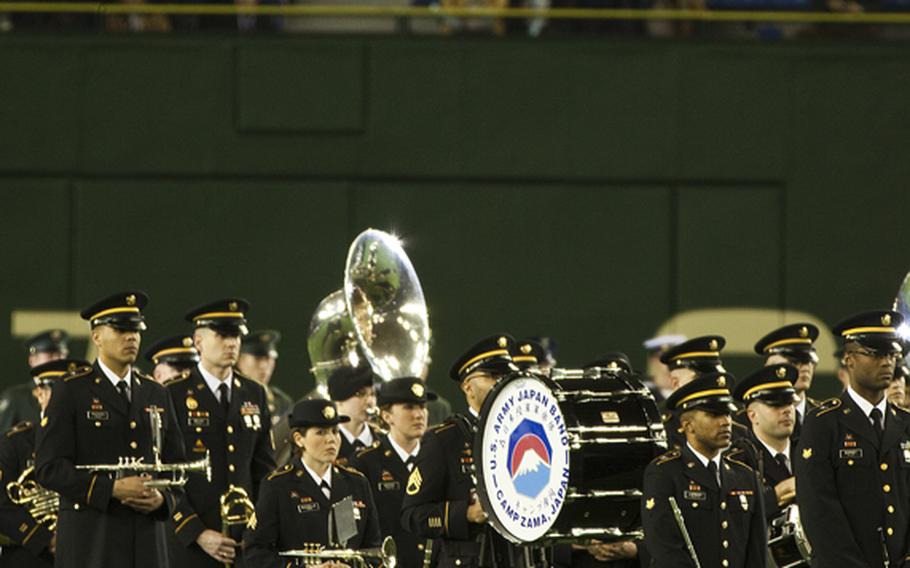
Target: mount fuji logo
x,y
529,458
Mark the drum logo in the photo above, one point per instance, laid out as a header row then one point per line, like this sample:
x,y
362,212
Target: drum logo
x,y
529,458
525,459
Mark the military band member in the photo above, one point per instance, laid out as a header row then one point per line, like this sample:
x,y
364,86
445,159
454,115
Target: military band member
x,y
97,416
686,361
33,540
352,390
222,412
258,357
769,398
173,357
853,459
17,403
403,407
440,500
528,355
794,344
719,497
294,501
658,374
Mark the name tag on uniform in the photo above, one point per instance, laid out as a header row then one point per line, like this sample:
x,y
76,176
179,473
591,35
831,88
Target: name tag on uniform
x,y
250,413
696,495
307,507
358,505
851,453
389,486
905,450
97,415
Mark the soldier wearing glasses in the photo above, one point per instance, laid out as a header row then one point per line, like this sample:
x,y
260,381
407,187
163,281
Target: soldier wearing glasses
x,y
853,459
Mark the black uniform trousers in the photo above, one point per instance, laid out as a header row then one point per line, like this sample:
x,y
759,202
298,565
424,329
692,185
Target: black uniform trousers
x,y
88,422
240,448
30,539
853,490
726,524
292,511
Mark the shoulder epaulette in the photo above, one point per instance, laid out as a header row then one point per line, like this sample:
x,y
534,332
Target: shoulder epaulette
x,y
78,374
364,451
23,426
280,471
811,402
740,426
827,406
437,428
349,469
667,457
184,375
731,459
144,377
734,451
900,408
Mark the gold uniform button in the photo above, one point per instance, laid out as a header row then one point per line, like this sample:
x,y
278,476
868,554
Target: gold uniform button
x,y
231,467
884,467
230,429
724,525
695,505
725,563
726,544
723,505
76,506
458,562
886,488
891,509
849,462
134,445
890,531
230,447
132,424
97,424
198,429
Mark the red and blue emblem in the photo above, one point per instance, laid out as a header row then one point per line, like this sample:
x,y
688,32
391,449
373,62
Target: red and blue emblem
x,y
529,458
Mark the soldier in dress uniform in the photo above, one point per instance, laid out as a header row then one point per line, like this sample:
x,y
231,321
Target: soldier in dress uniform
x,y
32,538
352,390
794,344
222,412
403,407
769,398
294,502
719,497
173,357
853,458
97,416
658,374
440,499
258,357
686,361
18,403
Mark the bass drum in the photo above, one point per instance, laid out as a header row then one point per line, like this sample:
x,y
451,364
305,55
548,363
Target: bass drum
x,y
616,431
561,458
786,540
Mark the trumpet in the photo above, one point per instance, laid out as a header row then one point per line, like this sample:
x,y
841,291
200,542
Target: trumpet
x,y
175,473
42,504
313,554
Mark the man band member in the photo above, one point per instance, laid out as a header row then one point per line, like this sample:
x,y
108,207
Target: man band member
x,y
294,502
440,500
769,398
224,413
33,539
403,407
658,374
720,498
352,389
17,403
794,344
853,459
97,416
173,357
686,361
258,357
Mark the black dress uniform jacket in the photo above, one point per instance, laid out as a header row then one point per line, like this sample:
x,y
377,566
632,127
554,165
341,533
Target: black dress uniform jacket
x,y
388,477
31,540
347,450
88,422
797,425
438,494
753,453
849,484
292,511
727,526
18,404
240,449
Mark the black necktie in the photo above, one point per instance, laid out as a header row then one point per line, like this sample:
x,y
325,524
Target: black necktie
x,y
358,445
783,461
124,391
712,467
225,399
876,416
326,490
409,463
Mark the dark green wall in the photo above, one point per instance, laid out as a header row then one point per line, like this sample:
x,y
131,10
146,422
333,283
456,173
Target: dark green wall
x,y
585,189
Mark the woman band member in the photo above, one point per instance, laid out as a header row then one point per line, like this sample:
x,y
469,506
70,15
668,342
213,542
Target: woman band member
x,y
295,501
